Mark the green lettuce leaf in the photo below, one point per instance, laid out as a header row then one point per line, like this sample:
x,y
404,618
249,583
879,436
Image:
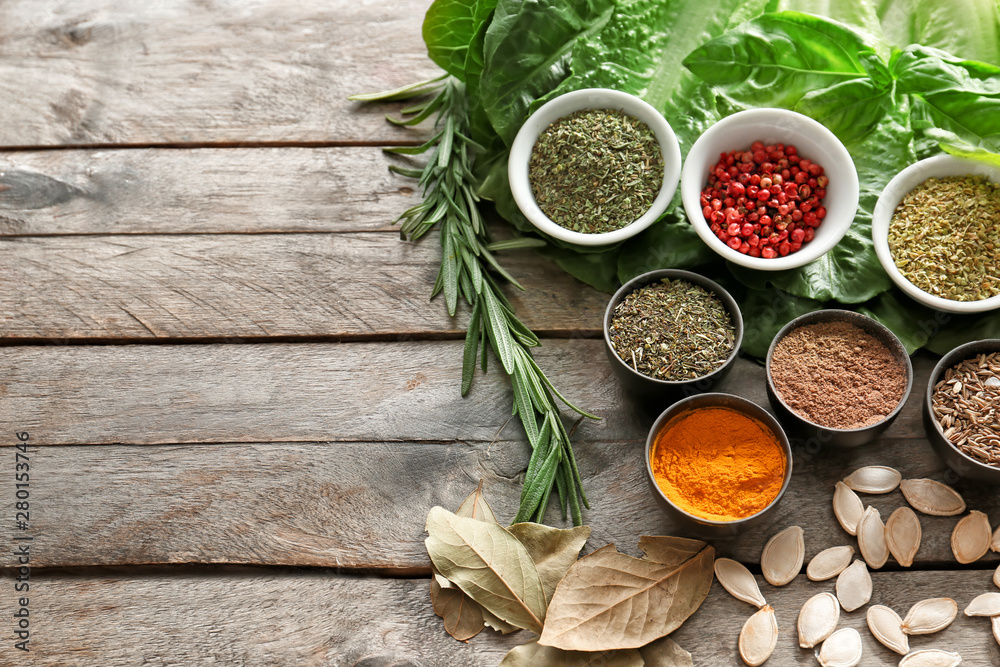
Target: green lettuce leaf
x,y
965,28
960,329
665,245
765,312
912,322
449,28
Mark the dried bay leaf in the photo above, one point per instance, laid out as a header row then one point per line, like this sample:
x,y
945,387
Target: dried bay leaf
x,y
873,479
841,649
781,560
758,637
854,586
871,539
887,627
493,621
665,652
903,535
534,654
463,617
476,507
669,550
489,564
970,540
609,600
930,616
931,657
818,619
739,581
554,550
932,497
828,563
848,508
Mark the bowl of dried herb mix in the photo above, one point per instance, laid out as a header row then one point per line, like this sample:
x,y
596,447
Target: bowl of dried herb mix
x,y
594,166
962,410
671,333
785,224
837,376
936,233
718,464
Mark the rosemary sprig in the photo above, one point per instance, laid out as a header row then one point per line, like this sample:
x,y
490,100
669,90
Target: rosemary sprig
x,y
470,270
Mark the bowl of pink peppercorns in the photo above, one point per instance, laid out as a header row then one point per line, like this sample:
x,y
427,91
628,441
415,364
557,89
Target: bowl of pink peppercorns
x,y
769,189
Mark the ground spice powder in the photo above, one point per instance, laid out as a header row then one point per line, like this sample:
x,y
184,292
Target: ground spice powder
x,y
717,463
837,375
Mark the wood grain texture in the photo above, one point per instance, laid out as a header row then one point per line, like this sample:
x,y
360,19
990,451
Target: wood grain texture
x,y
234,190
187,71
347,447
196,286
316,617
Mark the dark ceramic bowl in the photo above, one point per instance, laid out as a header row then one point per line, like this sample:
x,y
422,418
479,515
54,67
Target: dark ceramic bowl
x,y
838,437
698,526
961,463
652,391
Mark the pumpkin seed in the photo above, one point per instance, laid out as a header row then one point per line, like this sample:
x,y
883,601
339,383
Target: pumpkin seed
x,y
996,577
871,539
781,560
873,479
758,637
995,623
902,535
931,657
929,616
738,580
932,497
818,619
995,544
987,604
854,586
887,627
848,508
841,649
828,563
971,538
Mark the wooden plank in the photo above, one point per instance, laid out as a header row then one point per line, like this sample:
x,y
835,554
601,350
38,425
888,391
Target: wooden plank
x,y
174,72
196,191
362,506
370,438
315,617
197,286
354,392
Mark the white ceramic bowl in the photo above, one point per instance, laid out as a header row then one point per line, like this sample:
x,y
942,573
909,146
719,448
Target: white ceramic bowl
x,y
918,172
771,126
564,105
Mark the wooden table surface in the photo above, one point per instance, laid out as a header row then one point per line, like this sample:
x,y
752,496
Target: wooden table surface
x,y
241,405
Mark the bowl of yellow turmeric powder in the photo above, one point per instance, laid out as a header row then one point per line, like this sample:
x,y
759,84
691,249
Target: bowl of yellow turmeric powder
x,y
718,464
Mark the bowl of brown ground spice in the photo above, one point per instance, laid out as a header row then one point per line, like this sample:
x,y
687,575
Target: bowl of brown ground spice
x,y
718,464
962,410
837,376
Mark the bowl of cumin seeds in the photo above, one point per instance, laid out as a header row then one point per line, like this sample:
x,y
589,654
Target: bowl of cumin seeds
x,y
962,410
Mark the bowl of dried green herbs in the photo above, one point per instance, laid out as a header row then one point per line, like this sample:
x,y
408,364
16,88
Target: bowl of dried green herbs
x,y
671,333
936,233
594,166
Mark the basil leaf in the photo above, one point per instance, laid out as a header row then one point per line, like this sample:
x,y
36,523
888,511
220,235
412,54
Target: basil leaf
x,y
951,143
969,28
974,118
527,51
850,109
920,69
775,59
765,312
449,28
861,15
665,245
